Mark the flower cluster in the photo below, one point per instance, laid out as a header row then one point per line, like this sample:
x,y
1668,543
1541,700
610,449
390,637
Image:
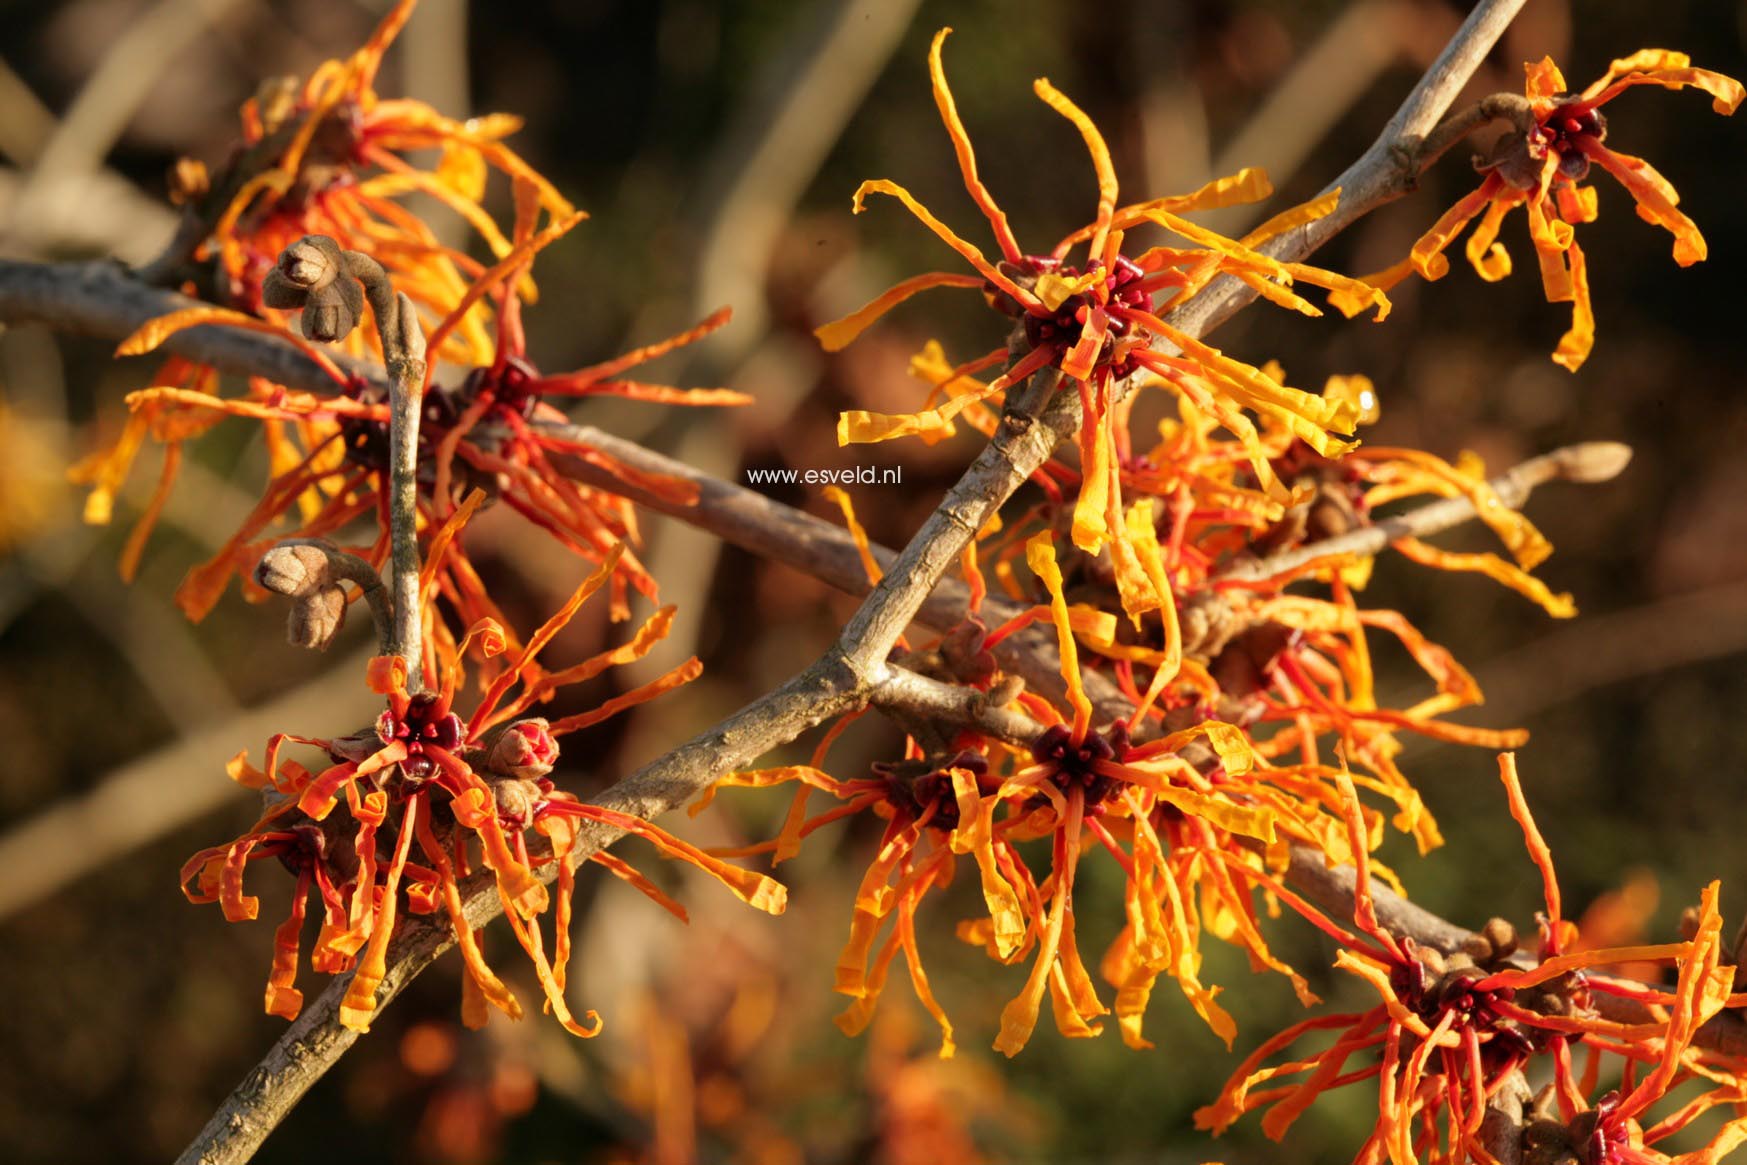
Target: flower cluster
x,y
1199,809
1541,165
330,156
326,166
1098,323
467,792
1456,1031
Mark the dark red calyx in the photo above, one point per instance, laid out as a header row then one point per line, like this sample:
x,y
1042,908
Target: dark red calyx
x,y
924,787
1074,764
1562,132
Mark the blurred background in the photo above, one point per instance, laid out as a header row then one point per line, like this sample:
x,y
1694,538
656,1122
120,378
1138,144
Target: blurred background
x,y
716,146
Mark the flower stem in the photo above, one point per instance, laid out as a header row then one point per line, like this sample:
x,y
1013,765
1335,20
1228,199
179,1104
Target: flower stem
x,y
403,513
403,350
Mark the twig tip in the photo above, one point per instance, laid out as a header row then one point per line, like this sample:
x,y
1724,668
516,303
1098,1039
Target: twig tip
x,y
1596,461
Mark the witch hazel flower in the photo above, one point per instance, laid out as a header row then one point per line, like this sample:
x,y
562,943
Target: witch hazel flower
x,y
1542,164
405,810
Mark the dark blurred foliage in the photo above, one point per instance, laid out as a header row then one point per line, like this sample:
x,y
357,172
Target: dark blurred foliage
x,y
129,1013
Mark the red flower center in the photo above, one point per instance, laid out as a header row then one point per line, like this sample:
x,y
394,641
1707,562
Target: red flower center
x,y
1074,764
1122,286
923,789
425,722
1562,132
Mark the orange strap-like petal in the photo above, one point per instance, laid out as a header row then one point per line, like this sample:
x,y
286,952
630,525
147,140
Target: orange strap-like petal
x,y
1019,1017
152,333
1040,556
1101,164
969,252
1538,851
859,535
505,267
1575,344
840,333
488,713
1558,605
359,1003
859,427
685,673
594,373
1655,197
1427,255
489,986
967,157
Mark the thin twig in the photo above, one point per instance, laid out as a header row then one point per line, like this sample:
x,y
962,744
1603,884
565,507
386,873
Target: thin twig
x,y
403,509
100,299
314,274
1511,107
403,350
919,695
1588,462
1383,173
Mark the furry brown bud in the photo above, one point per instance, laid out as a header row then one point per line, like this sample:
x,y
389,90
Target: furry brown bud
x,y
316,618
294,569
312,274
312,262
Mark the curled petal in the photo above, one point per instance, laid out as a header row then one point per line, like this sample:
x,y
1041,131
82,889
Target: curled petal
x,y
284,999
974,836
1655,198
1040,556
1427,255
359,1003
488,985
1575,344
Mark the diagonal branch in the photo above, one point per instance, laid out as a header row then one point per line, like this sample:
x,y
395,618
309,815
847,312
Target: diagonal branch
x,y
1387,170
